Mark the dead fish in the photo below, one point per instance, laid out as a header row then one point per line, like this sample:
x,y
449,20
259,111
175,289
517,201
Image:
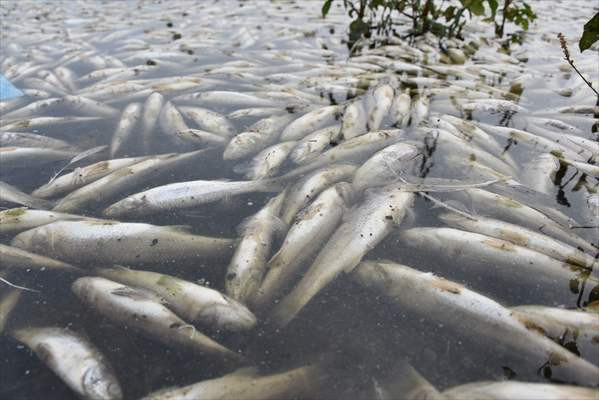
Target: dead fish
x,y
18,157
385,166
354,121
522,237
379,105
352,150
185,195
42,122
103,242
82,176
20,219
223,98
314,144
310,122
420,109
209,120
141,311
257,137
246,268
307,188
510,390
310,228
23,139
585,168
482,254
489,323
562,325
364,227
266,163
149,118
193,302
129,118
75,360
505,208
248,384
11,195
14,257
126,180
406,383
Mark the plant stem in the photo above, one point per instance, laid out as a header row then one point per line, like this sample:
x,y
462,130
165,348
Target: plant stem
x,y
503,16
564,45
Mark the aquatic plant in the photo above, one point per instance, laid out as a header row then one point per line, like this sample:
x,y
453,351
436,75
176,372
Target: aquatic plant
x,y
382,17
564,45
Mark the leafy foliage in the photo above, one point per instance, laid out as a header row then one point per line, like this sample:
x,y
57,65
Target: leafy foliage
x,y
590,33
437,17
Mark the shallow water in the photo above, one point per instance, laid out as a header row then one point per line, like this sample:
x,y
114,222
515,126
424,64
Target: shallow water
x,y
363,332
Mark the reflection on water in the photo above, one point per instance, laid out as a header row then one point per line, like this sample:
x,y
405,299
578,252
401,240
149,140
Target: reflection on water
x,y
292,62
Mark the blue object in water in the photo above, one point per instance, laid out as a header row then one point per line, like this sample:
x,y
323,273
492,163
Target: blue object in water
x,y
7,90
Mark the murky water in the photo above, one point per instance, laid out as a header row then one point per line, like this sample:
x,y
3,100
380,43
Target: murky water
x,y
255,46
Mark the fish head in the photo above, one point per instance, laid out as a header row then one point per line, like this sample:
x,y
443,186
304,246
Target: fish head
x,y
98,382
229,315
27,240
127,206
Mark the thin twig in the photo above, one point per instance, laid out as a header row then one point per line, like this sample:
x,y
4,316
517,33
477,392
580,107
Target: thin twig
x,y
564,45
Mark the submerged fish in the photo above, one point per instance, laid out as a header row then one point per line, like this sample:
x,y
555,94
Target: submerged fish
x,y
14,257
515,390
500,259
11,195
248,384
193,302
141,311
74,359
480,318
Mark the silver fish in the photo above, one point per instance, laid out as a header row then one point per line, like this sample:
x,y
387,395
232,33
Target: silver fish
x,y
364,227
247,267
139,310
509,390
185,195
193,302
312,227
107,242
74,359
489,322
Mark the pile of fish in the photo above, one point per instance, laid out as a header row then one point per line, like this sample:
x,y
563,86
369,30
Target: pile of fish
x,y
210,179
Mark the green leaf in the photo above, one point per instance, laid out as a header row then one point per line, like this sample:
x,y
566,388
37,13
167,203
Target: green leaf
x,y
449,12
590,34
493,4
476,7
357,29
326,7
